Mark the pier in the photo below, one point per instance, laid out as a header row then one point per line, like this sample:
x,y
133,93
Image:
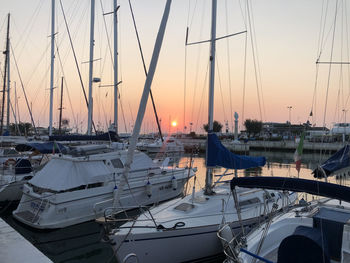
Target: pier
x,y
16,249
285,146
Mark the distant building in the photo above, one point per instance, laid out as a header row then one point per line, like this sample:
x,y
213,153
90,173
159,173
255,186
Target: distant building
x,y
288,130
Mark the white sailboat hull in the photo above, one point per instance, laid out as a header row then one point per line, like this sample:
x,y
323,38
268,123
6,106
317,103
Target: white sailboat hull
x,y
11,187
194,240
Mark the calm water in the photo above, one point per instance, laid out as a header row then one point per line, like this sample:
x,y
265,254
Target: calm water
x,y
81,243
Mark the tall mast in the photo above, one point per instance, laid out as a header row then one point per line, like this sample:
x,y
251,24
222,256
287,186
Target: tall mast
x,y
8,91
143,102
92,24
209,176
52,62
115,20
5,73
60,108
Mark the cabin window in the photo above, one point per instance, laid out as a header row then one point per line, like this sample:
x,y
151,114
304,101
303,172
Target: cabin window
x,y
10,151
249,202
94,185
117,163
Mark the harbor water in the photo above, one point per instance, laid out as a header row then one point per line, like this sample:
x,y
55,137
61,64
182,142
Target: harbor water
x,y
82,242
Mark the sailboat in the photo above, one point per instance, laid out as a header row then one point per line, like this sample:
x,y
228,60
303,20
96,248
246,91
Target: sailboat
x,y
93,179
317,231
184,229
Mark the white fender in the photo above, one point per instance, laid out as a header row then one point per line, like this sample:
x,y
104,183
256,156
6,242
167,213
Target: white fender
x,y
149,189
174,183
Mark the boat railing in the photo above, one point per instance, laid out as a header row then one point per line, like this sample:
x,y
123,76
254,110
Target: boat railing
x,y
120,215
229,243
113,219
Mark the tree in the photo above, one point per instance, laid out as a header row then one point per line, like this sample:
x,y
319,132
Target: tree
x,y
25,128
217,126
253,126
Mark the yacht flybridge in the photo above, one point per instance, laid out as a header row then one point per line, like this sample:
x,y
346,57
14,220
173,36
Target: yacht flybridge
x,y
72,189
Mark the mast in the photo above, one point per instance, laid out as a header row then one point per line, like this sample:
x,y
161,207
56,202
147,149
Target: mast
x,y
52,63
209,176
5,73
60,108
115,84
92,23
144,67
8,91
143,103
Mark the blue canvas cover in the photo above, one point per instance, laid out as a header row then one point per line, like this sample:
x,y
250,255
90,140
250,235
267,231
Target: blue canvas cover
x,y
218,155
337,161
107,136
47,147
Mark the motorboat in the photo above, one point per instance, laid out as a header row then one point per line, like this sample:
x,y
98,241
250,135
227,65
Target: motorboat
x,y
316,231
170,145
80,186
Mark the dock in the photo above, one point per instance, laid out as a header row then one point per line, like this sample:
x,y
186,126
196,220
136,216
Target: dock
x,y
15,248
284,146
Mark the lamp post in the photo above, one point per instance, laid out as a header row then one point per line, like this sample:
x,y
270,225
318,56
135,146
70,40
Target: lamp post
x,y
290,120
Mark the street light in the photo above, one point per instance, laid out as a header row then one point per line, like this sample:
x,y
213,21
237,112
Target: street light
x,y
290,110
290,120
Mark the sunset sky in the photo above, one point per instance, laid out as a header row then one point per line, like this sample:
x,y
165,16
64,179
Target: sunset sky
x,y
286,44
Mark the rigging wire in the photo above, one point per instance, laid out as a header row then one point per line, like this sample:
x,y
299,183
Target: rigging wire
x,y
197,68
75,59
254,59
29,27
258,64
220,86
66,85
145,69
24,92
202,97
229,66
330,65
244,64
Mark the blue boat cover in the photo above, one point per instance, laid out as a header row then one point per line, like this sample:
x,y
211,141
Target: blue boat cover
x,y
305,245
46,147
218,155
337,161
329,190
108,136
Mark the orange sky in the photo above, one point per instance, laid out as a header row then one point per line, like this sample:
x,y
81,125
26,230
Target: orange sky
x,y
286,35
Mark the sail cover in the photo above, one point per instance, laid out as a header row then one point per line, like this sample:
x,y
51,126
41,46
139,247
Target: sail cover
x,y
313,187
218,155
47,147
337,161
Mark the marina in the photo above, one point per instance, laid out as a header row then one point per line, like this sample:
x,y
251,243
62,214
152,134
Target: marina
x,y
83,242
174,131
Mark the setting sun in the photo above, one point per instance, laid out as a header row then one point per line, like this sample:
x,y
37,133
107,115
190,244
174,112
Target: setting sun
x,y
174,123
